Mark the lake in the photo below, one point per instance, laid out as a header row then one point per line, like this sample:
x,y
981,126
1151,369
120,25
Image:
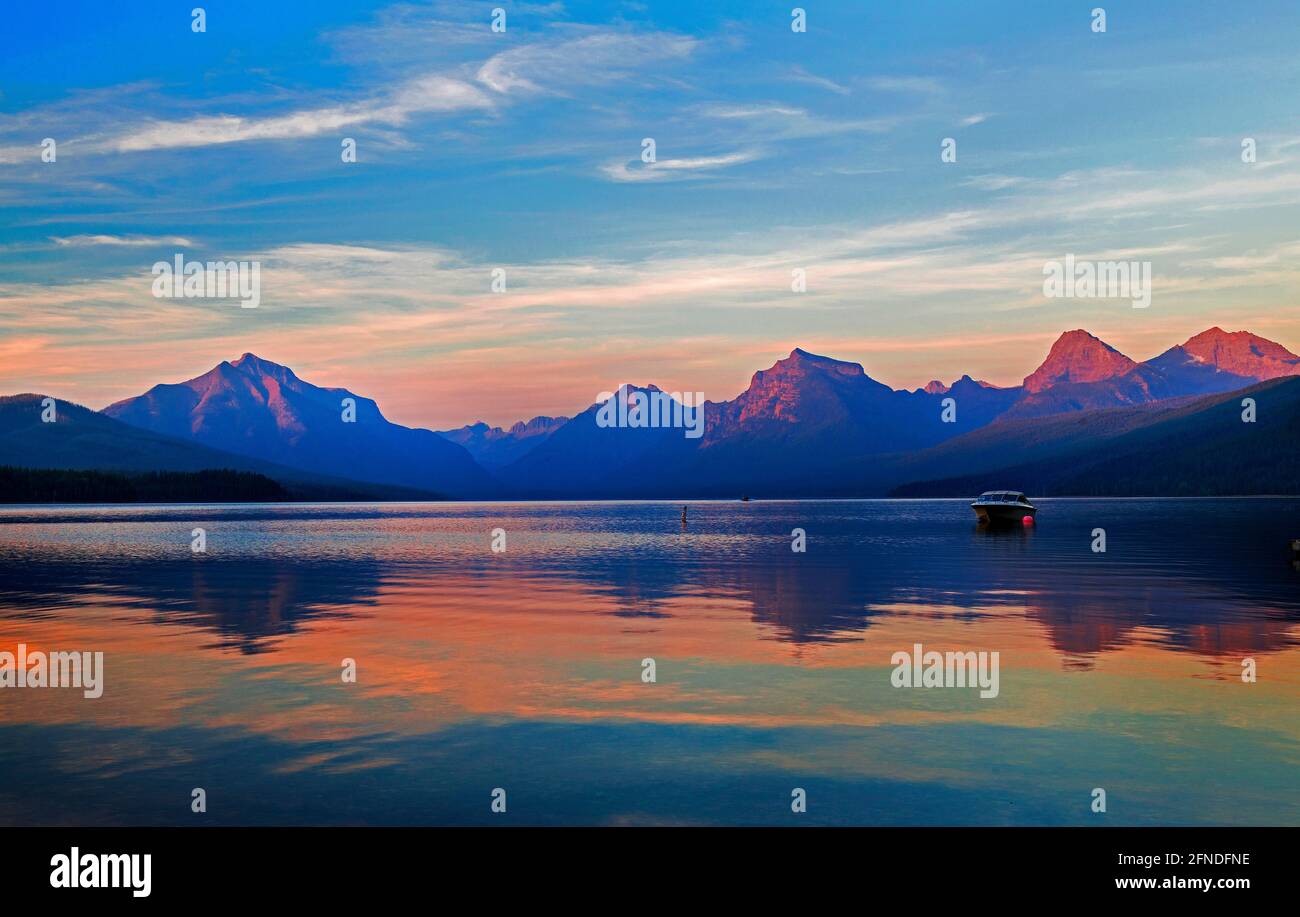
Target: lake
x,y
522,669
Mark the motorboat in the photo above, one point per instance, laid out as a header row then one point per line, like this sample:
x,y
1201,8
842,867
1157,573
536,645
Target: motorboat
x,y
1003,506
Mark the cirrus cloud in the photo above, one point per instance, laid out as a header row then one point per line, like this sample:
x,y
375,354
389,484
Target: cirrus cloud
x,y
675,169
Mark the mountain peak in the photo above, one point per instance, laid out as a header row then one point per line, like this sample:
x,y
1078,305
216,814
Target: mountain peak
x,y
260,409
1078,356
541,424
255,368
1216,334
800,360
1242,353
803,387
251,362
967,382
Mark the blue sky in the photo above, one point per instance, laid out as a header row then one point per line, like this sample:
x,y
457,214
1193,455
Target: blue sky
x,y
521,150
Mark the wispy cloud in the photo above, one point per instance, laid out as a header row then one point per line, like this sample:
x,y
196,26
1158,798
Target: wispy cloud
x,y
995,182
553,63
922,84
754,111
425,95
800,75
762,122
674,169
82,241
593,58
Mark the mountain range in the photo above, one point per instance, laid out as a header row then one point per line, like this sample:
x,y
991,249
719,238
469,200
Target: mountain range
x,y
256,408
86,440
809,426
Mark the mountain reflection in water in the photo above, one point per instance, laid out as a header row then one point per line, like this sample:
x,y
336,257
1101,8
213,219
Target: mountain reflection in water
x,y
522,669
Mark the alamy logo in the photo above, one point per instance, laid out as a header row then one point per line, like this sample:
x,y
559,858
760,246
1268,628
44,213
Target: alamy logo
x,y
103,870
652,408
932,669
181,279
1074,279
53,670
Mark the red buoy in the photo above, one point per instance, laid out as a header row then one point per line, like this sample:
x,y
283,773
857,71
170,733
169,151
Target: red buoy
x,y
1028,520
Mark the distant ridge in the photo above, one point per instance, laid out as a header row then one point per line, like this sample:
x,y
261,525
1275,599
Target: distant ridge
x,y
262,409
82,439
1196,448
62,485
809,425
493,447
1083,373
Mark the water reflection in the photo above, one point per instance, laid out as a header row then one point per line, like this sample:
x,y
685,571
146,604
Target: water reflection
x,y
247,602
1185,577
773,665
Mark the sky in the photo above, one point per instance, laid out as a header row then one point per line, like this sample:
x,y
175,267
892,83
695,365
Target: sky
x,y
521,151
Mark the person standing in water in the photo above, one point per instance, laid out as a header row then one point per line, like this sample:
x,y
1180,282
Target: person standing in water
x,y
683,515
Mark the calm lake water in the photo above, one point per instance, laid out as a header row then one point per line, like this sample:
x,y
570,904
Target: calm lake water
x,y
522,670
